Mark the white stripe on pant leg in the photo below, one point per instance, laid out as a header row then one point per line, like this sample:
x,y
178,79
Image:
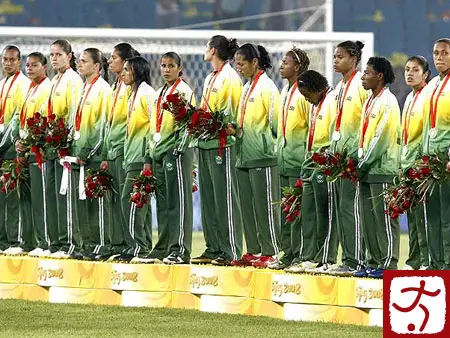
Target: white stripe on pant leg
x,y
358,250
326,244
270,210
69,216
101,224
387,220
300,255
230,203
131,219
44,192
181,203
20,226
425,215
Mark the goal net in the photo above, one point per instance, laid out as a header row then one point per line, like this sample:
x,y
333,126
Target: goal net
x,y
189,44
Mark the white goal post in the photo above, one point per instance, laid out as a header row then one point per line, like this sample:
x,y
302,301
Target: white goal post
x,y
190,44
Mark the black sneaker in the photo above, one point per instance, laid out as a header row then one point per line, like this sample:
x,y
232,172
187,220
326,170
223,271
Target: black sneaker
x,y
202,259
125,257
174,258
89,256
221,261
102,258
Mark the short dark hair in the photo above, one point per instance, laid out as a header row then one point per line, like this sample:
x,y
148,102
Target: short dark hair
x,y
382,65
141,70
313,81
250,51
40,56
13,48
225,47
353,48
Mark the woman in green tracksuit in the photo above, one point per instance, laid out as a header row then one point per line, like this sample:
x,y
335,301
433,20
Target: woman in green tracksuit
x,y
291,147
257,171
417,73
113,146
172,165
136,74
90,119
436,141
379,162
319,248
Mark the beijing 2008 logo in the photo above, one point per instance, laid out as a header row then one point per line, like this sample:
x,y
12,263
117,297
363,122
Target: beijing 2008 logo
x,y
415,303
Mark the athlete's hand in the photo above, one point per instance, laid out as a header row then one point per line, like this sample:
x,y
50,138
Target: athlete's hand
x,y
20,148
448,166
231,130
104,165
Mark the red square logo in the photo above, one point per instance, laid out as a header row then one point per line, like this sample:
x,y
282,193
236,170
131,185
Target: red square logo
x,y
415,303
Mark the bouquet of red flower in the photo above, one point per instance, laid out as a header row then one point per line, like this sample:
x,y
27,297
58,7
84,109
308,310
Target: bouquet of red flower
x,y
194,180
35,136
144,185
58,137
97,183
426,173
335,165
401,197
201,124
13,175
291,202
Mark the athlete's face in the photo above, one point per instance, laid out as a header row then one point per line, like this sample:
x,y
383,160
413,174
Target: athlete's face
x,y
371,78
59,58
115,63
342,61
127,74
289,68
209,53
244,67
414,74
170,71
35,69
441,57
87,66
10,62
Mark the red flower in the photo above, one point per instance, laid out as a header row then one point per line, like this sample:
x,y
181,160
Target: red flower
x,y
194,188
89,193
173,98
12,185
334,160
315,157
395,215
287,208
289,218
299,183
146,173
412,173
135,197
426,171
195,118
30,122
165,106
148,188
425,159
182,112
48,139
37,116
327,172
406,205
51,118
91,185
61,123
6,176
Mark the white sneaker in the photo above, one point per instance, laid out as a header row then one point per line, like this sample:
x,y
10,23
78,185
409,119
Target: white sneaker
x,y
14,251
407,267
112,258
301,267
423,267
60,255
144,260
36,252
324,268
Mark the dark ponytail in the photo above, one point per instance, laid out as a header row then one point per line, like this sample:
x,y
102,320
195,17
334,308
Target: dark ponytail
x,y
67,48
250,52
226,48
353,48
423,63
125,51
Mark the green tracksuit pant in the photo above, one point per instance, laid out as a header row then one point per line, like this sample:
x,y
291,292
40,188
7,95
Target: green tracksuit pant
x,y
258,189
221,210
93,217
18,218
3,237
418,248
136,223
381,233
114,204
318,226
437,222
174,206
38,205
348,219
291,232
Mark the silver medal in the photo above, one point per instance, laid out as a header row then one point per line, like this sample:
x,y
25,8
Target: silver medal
x,y
157,137
283,142
23,133
77,135
360,152
219,160
336,135
432,132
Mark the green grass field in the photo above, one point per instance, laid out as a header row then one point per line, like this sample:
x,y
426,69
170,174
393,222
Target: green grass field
x,y
37,319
